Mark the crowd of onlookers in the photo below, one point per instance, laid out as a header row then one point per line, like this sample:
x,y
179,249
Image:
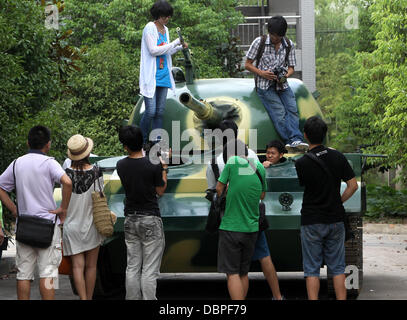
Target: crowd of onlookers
x,y
236,172
239,174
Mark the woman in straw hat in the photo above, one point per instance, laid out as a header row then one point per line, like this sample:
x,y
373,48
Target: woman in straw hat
x,y
80,239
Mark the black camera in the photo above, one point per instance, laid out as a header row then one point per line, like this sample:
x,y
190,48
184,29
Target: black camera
x,y
280,72
156,147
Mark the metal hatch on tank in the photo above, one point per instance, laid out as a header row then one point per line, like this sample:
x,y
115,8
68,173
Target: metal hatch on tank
x,y
197,105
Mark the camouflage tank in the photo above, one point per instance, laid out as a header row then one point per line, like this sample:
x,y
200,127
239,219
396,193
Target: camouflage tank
x,y
196,106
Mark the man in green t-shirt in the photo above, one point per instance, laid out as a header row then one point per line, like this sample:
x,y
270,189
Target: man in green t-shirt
x,y
240,223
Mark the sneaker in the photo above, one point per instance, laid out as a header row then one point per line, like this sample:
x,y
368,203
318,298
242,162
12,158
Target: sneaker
x,y
297,146
282,298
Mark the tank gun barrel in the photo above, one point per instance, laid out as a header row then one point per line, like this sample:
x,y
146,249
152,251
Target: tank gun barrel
x,y
203,110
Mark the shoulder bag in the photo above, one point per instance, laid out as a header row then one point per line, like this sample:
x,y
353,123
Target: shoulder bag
x,y
31,230
218,204
102,216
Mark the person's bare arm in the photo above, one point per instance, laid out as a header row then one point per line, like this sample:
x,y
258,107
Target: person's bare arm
x,y
351,187
219,188
66,197
4,197
160,190
1,236
290,72
263,194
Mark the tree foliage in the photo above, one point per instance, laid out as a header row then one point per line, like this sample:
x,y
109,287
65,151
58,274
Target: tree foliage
x,y
29,79
103,94
376,114
94,21
37,85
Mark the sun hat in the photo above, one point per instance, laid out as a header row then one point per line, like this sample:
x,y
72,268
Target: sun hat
x,y
79,147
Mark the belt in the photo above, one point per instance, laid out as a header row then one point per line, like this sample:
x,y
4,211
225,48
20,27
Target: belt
x,y
143,213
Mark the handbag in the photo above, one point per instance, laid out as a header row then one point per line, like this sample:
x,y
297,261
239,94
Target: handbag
x,y
102,216
31,230
349,234
216,212
65,267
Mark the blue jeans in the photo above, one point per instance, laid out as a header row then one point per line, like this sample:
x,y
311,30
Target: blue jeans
x,y
323,242
145,242
154,111
282,109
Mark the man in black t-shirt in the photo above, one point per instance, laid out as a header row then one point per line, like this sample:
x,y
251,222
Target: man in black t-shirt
x,y
143,228
322,213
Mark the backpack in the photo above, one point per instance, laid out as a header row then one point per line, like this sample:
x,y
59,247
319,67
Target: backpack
x,y
260,52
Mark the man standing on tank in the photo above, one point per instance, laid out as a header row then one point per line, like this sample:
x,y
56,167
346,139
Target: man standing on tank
x,y
322,213
278,53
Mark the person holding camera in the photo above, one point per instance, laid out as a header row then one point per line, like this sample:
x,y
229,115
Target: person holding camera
x,y
142,181
272,60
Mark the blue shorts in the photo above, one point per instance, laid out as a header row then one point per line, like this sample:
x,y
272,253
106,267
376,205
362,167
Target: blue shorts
x,y
323,242
262,249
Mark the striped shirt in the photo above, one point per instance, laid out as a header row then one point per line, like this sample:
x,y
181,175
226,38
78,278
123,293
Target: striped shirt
x,y
271,59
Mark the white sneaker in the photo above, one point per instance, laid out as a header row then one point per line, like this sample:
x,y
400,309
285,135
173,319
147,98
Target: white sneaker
x,y
297,146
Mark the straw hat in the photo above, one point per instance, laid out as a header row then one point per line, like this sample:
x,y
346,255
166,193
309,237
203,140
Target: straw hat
x,y
79,147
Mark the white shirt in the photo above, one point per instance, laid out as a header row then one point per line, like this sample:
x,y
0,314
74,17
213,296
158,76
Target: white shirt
x,y
149,52
210,176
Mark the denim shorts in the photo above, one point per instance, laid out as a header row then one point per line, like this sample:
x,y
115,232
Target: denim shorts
x,y
323,242
262,249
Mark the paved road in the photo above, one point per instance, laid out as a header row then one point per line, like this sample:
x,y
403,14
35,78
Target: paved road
x,y
385,278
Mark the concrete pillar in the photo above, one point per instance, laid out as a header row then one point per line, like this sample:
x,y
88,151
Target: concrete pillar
x,y
306,41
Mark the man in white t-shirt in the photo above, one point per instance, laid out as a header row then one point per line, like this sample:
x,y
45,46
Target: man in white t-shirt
x,y
35,175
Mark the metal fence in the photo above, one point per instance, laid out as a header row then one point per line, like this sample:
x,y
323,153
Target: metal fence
x,y
254,27
251,3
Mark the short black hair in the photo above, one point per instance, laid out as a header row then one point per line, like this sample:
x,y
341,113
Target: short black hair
x,y
234,147
38,137
131,137
161,9
315,128
225,125
277,25
278,145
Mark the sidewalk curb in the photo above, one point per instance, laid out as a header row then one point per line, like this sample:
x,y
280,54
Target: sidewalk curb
x,y
385,228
